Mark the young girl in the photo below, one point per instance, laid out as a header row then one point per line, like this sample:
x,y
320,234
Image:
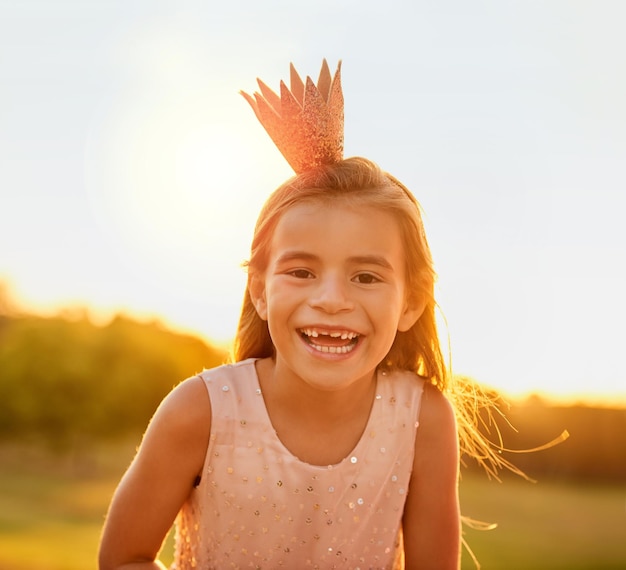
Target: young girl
x,y
329,442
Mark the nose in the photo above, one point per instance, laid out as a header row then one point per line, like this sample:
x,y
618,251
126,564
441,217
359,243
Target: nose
x,y
331,295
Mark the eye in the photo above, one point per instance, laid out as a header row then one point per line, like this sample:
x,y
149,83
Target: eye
x,y
366,279
300,273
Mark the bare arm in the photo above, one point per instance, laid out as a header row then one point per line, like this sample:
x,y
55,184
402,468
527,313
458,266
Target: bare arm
x,y
431,521
158,481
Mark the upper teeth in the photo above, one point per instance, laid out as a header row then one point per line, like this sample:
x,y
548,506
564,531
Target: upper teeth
x,y
334,334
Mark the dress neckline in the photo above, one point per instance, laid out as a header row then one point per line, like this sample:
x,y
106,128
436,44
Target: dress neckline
x,y
353,456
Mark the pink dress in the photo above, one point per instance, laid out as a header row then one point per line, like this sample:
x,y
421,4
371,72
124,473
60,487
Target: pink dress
x,y
258,506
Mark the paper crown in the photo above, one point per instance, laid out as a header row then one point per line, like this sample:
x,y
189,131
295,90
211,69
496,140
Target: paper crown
x,y
306,122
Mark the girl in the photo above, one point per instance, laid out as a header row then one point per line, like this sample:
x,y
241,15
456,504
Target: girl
x,y
329,442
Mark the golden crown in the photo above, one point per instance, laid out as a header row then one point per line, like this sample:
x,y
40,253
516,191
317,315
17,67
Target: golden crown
x,y
306,122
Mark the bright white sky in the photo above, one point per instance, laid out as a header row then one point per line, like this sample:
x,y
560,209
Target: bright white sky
x,y
131,171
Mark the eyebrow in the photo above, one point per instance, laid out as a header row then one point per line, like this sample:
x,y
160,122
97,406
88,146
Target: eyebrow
x,y
378,260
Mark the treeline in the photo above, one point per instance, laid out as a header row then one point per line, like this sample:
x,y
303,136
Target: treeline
x,y
65,381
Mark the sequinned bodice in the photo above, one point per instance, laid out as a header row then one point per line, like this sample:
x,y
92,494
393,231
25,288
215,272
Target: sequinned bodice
x,y
258,506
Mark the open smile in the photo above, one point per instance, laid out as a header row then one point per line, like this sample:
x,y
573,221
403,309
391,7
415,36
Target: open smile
x,y
330,341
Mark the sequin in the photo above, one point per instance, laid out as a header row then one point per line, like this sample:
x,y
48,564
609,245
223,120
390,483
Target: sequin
x,y
266,518
225,388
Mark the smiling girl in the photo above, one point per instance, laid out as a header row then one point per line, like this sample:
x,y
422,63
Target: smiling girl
x,y
329,442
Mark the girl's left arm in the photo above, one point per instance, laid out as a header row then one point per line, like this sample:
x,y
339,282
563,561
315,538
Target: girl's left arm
x,y
431,521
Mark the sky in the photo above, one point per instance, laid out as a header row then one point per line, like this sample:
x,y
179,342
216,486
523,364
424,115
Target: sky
x,y
132,171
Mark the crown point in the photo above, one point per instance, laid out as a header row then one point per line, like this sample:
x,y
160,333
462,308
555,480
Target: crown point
x,y
269,95
324,81
297,85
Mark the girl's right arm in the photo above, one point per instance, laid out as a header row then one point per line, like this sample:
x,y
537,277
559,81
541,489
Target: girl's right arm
x,y
158,480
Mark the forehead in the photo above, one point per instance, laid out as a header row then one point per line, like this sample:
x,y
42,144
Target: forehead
x,y
337,228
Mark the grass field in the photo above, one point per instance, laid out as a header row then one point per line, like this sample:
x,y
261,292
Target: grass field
x,y
51,513
546,525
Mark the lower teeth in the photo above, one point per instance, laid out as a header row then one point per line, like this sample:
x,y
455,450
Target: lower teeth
x,y
334,349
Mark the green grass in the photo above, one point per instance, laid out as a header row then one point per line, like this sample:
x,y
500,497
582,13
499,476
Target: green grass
x,y
52,509
545,525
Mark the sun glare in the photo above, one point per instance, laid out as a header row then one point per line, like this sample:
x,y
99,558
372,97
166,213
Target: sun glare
x,y
176,180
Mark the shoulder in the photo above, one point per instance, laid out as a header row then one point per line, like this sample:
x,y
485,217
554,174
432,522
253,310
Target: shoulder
x,y
181,425
191,399
436,409
186,403
437,421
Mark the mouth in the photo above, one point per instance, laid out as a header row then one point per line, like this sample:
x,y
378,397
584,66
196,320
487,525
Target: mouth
x,y
330,341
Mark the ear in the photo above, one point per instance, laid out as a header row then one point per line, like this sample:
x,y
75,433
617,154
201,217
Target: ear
x,y
256,288
412,311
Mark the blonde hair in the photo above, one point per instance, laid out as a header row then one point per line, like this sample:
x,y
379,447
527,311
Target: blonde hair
x,y
357,181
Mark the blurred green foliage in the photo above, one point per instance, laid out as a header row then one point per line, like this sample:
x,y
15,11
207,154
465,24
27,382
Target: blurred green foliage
x,y
65,381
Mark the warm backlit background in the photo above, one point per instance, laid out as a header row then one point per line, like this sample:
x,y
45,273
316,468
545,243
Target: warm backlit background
x,y
131,174
131,171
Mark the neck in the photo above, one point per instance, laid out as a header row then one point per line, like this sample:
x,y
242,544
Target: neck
x,y
337,418
288,390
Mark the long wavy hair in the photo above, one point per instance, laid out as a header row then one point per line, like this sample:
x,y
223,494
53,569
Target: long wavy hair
x,y
359,181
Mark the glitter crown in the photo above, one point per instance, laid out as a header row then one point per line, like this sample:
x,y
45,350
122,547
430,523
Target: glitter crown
x,y
306,122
